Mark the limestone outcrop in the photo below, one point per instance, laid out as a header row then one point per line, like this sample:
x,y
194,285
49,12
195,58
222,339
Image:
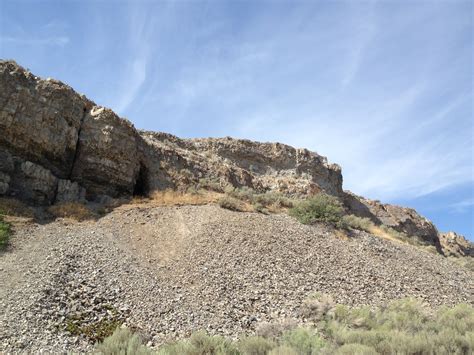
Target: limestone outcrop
x,y
456,245
107,154
227,161
401,219
39,119
57,145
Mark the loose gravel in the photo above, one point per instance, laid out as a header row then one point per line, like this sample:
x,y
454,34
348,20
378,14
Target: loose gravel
x,y
169,271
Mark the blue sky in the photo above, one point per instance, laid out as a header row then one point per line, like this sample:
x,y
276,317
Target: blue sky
x,y
383,88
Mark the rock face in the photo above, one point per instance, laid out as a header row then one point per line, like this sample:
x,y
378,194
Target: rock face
x,y
56,145
402,219
454,244
39,119
107,154
82,150
175,162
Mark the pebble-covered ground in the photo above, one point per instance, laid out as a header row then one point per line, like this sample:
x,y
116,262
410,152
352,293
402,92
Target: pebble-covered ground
x,y
168,271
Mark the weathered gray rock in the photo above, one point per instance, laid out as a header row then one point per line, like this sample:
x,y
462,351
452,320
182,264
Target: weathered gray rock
x,y
107,160
402,219
39,119
69,191
456,245
261,166
46,123
4,183
34,183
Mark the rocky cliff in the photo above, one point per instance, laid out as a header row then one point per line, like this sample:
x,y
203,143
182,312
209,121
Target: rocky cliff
x,y
57,145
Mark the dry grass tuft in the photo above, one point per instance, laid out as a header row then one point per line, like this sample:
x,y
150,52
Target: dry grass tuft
x,y
14,207
178,198
382,231
72,210
233,204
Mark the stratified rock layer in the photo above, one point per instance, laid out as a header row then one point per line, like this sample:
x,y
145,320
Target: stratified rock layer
x,y
57,145
261,166
39,119
107,154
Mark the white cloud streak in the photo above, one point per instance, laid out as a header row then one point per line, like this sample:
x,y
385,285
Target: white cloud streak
x,y
60,41
389,145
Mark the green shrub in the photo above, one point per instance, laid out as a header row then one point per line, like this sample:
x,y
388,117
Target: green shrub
x,y
318,307
407,315
283,350
260,201
460,318
255,346
364,224
201,344
273,199
210,184
274,330
319,208
95,332
404,327
360,317
355,349
5,232
258,207
304,341
122,342
243,193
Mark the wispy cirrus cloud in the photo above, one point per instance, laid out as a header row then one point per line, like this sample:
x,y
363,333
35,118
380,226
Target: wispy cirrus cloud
x,y
462,206
60,41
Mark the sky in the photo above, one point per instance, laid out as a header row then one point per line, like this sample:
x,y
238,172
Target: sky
x,y
382,88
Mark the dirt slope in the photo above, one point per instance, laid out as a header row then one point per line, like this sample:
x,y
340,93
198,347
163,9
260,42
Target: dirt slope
x,y
168,271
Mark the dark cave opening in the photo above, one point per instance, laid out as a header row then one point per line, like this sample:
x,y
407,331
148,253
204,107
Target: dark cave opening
x,y
141,187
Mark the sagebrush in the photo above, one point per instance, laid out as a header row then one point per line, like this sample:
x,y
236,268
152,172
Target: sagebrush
x,y
319,208
403,327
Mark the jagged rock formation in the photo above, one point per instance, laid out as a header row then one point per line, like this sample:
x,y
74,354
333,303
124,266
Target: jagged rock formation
x,y
456,245
402,219
261,166
56,145
79,149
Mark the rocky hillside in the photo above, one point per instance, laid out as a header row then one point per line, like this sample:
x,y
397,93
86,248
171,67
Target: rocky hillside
x,y
169,271
57,145
166,271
